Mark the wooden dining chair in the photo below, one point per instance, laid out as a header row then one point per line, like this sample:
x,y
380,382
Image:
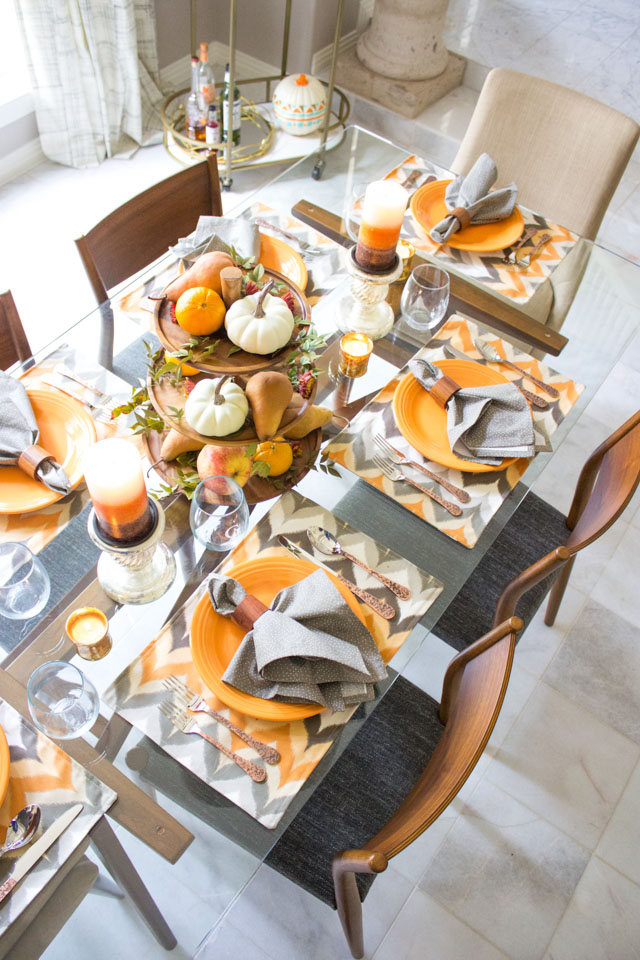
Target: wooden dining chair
x,y
140,231
565,151
399,773
14,345
605,486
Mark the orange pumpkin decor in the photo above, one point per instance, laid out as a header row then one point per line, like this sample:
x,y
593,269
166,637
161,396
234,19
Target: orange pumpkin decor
x,y
187,371
200,311
277,453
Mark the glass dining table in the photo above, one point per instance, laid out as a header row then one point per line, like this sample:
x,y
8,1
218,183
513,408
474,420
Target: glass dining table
x,y
161,801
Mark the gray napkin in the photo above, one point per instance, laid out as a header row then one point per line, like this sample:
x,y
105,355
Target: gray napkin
x,y
19,430
474,193
484,424
309,647
219,233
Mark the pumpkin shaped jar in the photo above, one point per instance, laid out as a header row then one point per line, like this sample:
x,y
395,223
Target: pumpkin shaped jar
x,y
259,323
300,103
216,407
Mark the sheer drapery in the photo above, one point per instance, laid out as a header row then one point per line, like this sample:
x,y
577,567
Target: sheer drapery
x,y
94,68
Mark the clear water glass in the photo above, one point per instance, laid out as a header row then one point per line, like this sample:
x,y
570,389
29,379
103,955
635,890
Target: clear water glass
x,y
62,701
425,297
24,582
219,514
353,213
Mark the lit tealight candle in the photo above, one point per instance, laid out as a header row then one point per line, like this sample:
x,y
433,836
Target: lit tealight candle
x,y
355,350
116,486
385,202
88,629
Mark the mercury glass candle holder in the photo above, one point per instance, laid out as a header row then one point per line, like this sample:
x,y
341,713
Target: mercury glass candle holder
x,y
365,309
134,571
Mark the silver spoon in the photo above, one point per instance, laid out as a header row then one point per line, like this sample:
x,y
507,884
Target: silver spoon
x,y
21,829
325,542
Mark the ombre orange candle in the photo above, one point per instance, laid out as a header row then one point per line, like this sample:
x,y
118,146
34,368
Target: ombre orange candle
x,y
385,202
116,486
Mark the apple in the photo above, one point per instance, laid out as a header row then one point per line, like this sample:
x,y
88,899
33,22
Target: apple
x,y
234,462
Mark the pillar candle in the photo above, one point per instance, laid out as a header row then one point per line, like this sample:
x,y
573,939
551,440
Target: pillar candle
x,y
385,202
116,486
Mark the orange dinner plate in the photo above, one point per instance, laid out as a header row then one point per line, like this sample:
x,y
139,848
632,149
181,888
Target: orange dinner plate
x,y
428,207
66,431
4,765
279,256
423,422
215,639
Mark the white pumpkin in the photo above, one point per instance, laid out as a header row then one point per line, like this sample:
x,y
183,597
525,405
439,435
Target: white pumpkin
x,y
216,407
300,103
259,323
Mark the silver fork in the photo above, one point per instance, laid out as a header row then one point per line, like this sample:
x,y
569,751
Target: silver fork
x,y
104,399
197,704
394,473
399,458
103,414
526,260
186,724
305,247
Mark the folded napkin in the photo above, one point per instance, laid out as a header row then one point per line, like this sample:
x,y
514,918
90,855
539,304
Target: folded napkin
x,y
484,424
473,193
219,233
19,436
308,647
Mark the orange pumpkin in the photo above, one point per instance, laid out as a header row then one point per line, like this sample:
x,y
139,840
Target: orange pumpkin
x,y
200,311
277,453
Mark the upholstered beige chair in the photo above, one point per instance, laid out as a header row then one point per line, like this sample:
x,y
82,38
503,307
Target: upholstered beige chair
x,y
566,152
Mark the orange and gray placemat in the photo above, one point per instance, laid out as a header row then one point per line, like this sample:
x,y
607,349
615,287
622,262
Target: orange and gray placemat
x,y
517,284
42,773
301,743
354,447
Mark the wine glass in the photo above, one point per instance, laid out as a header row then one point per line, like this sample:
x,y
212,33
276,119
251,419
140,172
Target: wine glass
x,y
63,703
425,297
219,514
353,213
24,582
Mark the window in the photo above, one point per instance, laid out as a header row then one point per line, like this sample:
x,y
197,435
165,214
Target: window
x,y
15,88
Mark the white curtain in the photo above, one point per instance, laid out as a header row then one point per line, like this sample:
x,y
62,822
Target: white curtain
x,y
94,69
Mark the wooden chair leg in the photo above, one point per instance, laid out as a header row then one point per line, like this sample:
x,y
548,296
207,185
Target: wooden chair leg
x,y
350,912
557,593
117,862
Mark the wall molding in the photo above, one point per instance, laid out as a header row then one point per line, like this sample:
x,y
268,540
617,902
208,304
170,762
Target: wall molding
x,y
321,60
19,161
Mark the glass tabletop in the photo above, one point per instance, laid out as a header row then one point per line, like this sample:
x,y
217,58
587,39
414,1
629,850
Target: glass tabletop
x,y
600,323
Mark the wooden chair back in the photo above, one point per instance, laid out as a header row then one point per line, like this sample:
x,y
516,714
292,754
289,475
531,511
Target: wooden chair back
x,y
140,231
14,346
606,484
472,695
587,146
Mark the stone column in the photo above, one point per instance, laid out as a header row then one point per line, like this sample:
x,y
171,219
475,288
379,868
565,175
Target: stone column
x,y
404,40
401,60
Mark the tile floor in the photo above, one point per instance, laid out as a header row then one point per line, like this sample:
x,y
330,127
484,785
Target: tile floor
x,y
535,860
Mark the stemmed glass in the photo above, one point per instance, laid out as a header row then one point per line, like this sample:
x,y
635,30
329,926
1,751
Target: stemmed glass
x,y
62,701
353,213
219,514
425,297
24,582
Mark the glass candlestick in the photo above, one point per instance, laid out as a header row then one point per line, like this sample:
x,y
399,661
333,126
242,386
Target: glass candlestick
x,y
365,310
135,571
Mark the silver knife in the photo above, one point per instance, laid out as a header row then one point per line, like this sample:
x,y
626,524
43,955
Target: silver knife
x,y
39,848
531,397
381,607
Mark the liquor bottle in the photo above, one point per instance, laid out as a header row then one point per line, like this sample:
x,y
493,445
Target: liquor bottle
x,y
237,110
206,85
194,121
212,130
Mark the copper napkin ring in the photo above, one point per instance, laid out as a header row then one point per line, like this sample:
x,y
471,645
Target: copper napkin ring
x,y
443,389
31,458
248,611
